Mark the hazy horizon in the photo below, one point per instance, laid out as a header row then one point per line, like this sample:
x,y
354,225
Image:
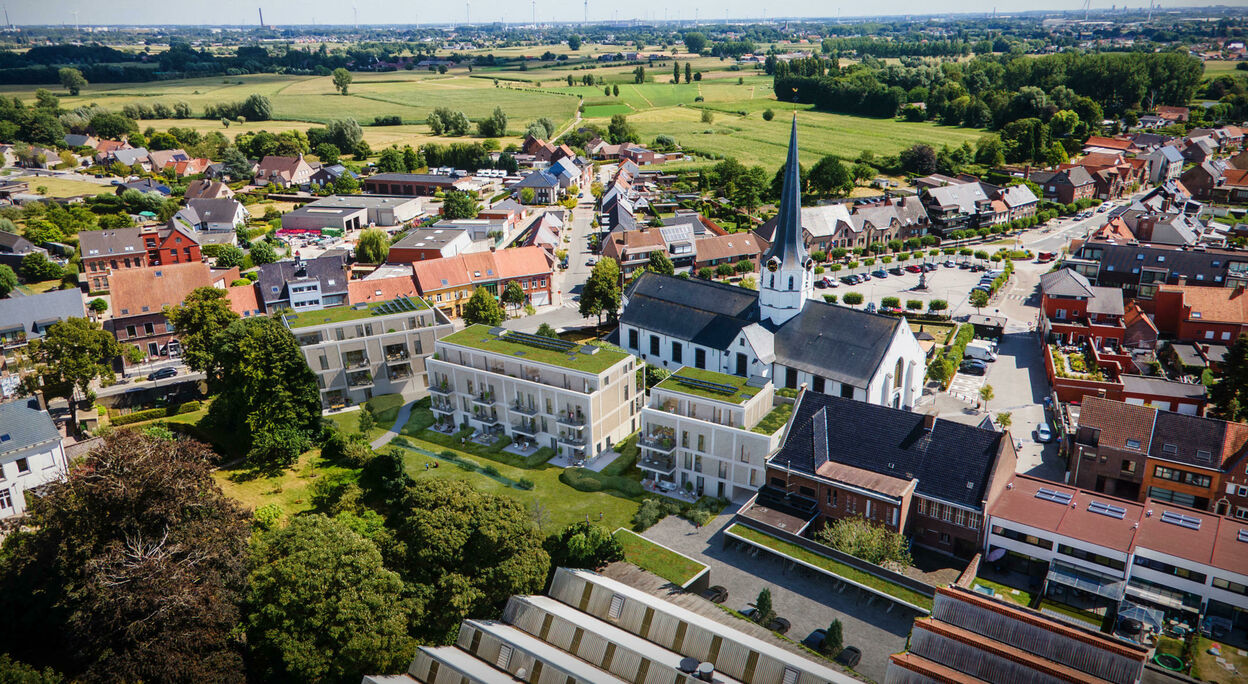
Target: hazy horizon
x,y
340,13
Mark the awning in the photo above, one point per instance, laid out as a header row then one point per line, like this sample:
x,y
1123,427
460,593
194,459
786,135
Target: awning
x,y
1087,580
1160,596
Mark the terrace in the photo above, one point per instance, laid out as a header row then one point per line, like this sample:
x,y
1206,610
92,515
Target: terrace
x,y
705,384
342,314
1073,361
549,351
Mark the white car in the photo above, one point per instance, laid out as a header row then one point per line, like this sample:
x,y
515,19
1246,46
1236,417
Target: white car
x,y
1043,433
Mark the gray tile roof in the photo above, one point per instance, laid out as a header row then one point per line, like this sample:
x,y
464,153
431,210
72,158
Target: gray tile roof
x,y
329,269
705,313
1187,439
835,342
539,180
1143,384
24,425
12,243
1065,283
964,196
1106,300
215,210
34,313
952,462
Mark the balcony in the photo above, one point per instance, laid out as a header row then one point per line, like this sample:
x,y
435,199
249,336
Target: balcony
x,y
572,439
484,399
523,410
441,390
657,443
355,360
662,466
485,419
524,428
573,421
439,407
364,379
396,352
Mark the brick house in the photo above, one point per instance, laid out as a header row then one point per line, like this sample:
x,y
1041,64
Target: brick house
x,y
140,295
283,171
713,250
105,252
1065,185
1212,315
929,478
448,283
1076,310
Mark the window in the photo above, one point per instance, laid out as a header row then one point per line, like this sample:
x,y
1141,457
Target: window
x,y
699,358
676,352
1128,467
632,339
132,331
945,538
1227,585
1133,444
6,499
617,607
23,466
654,345
847,390
148,329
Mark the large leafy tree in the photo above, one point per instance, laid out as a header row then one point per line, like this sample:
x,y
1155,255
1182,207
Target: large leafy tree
x,y
129,570
1229,393
463,552
660,263
342,80
373,246
513,294
830,177
201,317
583,545
269,397
71,355
483,308
8,280
601,293
459,205
72,80
322,607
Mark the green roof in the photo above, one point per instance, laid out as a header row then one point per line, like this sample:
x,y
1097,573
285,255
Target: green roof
x,y
478,337
340,314
740,393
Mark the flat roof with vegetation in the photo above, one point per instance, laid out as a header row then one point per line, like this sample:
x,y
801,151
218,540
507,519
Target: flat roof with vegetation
x,y
647,555
741,392
479,337
341,314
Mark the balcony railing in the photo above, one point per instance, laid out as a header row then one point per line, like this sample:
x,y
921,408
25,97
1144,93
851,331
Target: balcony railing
x,y
524,410
572,421
484,399
441,390
360,379
572,439
523,428
400,355
443,408
660,443
663,466
356,361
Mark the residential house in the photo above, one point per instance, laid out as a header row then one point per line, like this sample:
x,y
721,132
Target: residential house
x,y
413,184
213,215
283,172
81,140
631,249
956,206
1101,145
26,318
1164,163
1156,560
971,637
377,345
330,173
130,157
139,296
1075,311
733,248
1202,178
1173,114
244,300
1209,315
1138,270
107,252
145,185
710,432
419,244
304,284
1019,199
928,478
580,400
1233,189
1199,150
509,211
448,283
31,455
208,189
595,629
545,186
159,159
1066,185
824,227
106,151
14,248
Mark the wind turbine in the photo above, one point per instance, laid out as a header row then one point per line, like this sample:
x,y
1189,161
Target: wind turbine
x,y
533,4
355,14
586,11
468,12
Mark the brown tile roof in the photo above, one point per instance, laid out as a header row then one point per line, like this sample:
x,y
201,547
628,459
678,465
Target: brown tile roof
x,y
729,246
1228,550
479,267
1116,230
156,287
243,300
629,241
1235,177
1217,304
1100,160
1118,422
1109,143
865,479
381,289
1194,545
207,189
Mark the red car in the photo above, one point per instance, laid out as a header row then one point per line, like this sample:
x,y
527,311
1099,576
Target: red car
x,y
913,268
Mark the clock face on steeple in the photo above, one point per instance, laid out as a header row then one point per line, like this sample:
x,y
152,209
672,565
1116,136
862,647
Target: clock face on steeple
x,y
810,264
773,264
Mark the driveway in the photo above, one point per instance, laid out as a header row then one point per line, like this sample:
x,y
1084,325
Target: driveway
x,y
808,600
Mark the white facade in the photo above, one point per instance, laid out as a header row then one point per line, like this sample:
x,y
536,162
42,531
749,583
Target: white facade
x,y
707,444
784,288
575,410
31,454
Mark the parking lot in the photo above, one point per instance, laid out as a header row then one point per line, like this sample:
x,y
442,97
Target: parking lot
x,y
951,284
807,599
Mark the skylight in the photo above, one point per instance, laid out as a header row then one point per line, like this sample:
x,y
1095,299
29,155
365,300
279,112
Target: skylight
x,y
1053,495
1106,509
1188,521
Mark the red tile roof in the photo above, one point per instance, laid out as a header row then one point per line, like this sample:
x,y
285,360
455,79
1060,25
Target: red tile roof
x,y
243,300
156,287
1213,304
1108,143
480,267
381,289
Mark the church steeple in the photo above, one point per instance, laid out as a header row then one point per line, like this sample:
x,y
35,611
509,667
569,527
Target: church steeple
x,y
788,279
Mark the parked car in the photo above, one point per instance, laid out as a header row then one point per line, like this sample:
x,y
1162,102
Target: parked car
x,y
964,265
973,367
821,283
929,267
865,277
849,279
914,268
162,374
880,273
715,594
849,656
777,624
896,270
950,263
1044,433
815,641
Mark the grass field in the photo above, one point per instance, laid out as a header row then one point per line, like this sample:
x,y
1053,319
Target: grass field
x,y
59,187
647,555
291,489
1219,67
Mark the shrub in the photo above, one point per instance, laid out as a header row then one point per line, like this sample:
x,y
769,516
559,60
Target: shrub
x,y
576,479
268,516
525,483
150,414
890,302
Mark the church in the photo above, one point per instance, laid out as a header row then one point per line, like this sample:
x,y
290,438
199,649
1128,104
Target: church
x,y
778,332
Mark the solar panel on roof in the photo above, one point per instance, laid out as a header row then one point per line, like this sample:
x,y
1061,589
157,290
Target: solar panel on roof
x,y
1174,518
551,343
1107,509
1053,495
706,385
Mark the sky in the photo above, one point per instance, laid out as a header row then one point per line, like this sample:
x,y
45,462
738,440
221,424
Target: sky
x,y
130,12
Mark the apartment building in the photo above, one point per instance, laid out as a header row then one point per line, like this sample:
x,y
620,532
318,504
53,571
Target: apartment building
x,y
710,432
30,453
577,399
368,348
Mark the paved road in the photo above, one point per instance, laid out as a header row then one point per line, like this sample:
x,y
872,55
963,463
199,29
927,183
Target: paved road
x,y
808,600
404,413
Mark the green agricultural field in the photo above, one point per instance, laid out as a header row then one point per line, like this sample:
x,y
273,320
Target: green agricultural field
x,y
606,111
1219,67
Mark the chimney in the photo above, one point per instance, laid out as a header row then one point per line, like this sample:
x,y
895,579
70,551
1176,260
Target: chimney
x,y
1182,281
929,422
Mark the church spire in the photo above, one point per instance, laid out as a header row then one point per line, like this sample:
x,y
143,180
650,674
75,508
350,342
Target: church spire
x,y
787,246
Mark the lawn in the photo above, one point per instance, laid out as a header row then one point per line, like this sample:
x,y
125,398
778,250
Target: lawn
x,y
774,420
379,137
478,337
291,489
340,314
385,409
941,331
1088,619
39,287
739,394
647,555
1022,598
1207,668
1217,67
605,111
58,188
832,566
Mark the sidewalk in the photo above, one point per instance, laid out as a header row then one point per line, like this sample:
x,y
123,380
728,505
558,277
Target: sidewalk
x,y
405,412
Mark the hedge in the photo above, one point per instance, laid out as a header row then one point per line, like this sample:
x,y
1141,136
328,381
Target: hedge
x,y
150,414
586,480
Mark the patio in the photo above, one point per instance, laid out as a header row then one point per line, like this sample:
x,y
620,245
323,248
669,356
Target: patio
x,y
594,463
